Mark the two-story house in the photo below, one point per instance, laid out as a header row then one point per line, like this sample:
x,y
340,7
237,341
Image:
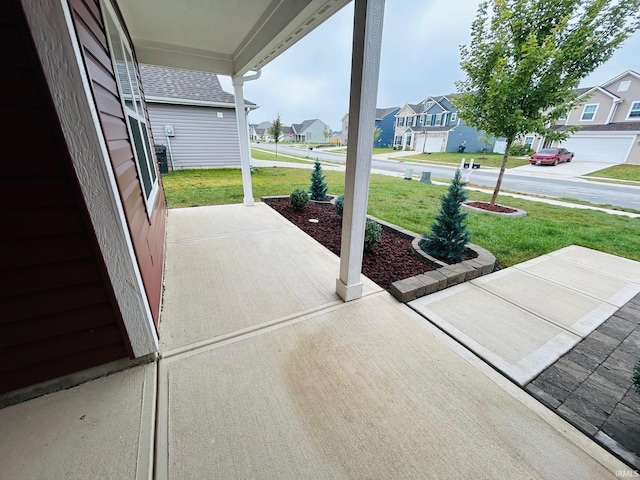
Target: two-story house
x,y
609,119
433,125
385,121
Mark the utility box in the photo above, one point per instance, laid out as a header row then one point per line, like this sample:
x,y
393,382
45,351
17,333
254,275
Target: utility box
x,y
161,155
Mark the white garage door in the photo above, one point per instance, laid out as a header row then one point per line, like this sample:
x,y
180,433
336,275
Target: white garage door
x,y
599,149
434,144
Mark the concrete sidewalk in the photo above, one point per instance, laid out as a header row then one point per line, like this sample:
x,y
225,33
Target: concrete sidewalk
x,y
267,374
522,319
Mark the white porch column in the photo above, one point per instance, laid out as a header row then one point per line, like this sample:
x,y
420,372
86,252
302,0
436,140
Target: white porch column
x,y
365,65
243,136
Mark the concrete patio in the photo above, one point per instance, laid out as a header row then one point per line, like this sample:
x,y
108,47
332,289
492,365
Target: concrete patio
x,y
266,373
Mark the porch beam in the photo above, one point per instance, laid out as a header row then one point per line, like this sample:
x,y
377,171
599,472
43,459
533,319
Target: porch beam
x,y
243,137
365,67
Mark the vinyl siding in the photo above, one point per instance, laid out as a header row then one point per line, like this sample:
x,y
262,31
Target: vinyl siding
x,y
630,96
201,138
57,314
147,232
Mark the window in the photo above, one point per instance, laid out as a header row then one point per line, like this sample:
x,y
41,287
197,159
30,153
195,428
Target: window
x,y
429,119
624,86
401,122
408,140
634,111
528,141
563,116
438,119
134,109
454,116
421,120
589,112
398,140
410,121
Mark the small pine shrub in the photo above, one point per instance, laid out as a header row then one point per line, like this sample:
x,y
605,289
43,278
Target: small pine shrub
x,y
636,377
372,233
449,236
339,205
318,189
299,199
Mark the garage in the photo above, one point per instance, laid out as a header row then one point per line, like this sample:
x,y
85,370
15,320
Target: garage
x,y
434,144
599,149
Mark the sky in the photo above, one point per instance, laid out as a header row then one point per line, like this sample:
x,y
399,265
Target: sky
x,y
420,57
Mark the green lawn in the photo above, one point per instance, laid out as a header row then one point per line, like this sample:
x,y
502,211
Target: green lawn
x,y
619,172
269,155
413,205
449,158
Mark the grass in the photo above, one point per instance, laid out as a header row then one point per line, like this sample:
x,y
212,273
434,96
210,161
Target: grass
x,y
619,172
448,158
413,205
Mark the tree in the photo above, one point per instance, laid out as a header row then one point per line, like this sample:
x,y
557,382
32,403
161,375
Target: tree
x,y
275,130
526,58
449,236
326,133
485,139
376,135
318,189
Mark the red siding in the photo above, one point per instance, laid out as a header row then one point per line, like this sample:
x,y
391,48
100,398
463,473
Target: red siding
x,y
147,233
57,315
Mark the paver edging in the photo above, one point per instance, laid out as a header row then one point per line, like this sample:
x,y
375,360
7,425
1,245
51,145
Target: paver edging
x,y
420,285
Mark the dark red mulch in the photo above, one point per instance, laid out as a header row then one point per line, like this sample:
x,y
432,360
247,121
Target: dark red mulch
x,y
392,259
494,208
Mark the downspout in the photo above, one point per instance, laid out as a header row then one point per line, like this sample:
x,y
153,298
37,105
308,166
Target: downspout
x,y
243,134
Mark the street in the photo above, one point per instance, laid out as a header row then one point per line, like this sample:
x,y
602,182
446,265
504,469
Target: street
x,y
595,192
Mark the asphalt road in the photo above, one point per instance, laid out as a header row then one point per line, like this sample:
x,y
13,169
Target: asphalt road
x,y
600,193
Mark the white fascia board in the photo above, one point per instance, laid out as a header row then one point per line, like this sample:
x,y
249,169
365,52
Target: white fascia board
x,y
193,102
622,75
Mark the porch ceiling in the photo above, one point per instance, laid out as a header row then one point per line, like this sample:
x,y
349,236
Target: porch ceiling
x,y
227,37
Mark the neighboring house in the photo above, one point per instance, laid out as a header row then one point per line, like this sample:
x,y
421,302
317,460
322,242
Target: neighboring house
x,y
385,121
344,135
310,131
84,209
191,115
609,120
260,133
433,125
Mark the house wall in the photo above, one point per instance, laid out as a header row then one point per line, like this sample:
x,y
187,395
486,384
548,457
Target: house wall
x,y
388,129
469,135
58,313
202,138
314,133
604,108
147,231
630,96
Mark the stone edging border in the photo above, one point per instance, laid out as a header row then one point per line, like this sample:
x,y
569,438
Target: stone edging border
x,y
435,280
517,213
441,278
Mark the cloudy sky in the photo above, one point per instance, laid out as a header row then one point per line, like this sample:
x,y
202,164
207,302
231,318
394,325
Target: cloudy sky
x,y
420,57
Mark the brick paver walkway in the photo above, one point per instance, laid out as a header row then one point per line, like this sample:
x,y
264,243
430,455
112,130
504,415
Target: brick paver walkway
x,y
590,386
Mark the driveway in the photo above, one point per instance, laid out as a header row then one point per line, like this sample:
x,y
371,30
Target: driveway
x,y
572,169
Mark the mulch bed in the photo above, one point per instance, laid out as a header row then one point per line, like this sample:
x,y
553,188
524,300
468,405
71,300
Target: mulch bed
x,y
392,259
492,208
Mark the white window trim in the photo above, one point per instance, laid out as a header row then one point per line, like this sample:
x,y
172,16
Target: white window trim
x,y
454,116
629,117
155,186
595,112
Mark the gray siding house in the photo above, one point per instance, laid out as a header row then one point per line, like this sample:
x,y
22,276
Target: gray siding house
x,y
192,116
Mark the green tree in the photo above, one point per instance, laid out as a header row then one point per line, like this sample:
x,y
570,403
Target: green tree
x,y
449,236
485,139
376,135
318,189
526,58
275,130
326,133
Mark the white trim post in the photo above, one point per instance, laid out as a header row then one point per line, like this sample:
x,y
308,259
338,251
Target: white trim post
x,y
365,67
243,137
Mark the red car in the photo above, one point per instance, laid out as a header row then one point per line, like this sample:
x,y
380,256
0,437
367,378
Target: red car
x,y
551,156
